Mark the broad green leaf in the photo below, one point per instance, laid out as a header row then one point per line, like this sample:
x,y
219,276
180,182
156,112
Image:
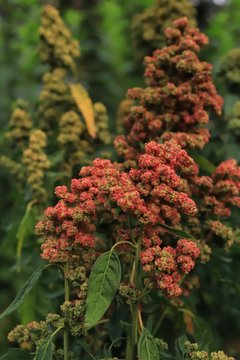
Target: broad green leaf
x,y
204,163
45,350
147,347
27,309
24,291
16,354
104,281
25,229
179,233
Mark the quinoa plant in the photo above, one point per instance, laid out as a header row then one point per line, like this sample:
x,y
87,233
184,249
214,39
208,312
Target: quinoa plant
x,y
148,27
125,235
46,141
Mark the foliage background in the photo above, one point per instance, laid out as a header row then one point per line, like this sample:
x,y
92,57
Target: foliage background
x,y
109,65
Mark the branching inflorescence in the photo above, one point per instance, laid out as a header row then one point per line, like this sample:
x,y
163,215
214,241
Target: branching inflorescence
x,y
174,104
149,194
148,27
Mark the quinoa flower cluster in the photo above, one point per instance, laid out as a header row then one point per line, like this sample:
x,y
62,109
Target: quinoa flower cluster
x,y
148,193
178,95
148,27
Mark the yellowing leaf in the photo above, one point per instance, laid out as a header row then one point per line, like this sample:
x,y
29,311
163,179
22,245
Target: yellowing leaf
x,y
84,104
189,323
188,318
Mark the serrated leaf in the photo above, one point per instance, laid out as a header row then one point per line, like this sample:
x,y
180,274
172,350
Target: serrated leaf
x,y
24,291
16,354
147,347
104,282
45,350
84,104
177,232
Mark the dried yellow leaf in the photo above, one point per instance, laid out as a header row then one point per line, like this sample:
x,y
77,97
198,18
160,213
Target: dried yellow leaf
x,y
85,105
188,320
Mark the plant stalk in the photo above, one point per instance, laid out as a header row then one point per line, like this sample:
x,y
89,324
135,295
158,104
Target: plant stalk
x,y
132,340
67,297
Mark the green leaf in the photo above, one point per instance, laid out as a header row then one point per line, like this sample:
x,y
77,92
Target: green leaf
x,y
83,345
104,281
56,175
164,355
25,229
180,346
16,354
203,163
179,233
57,157
150,321
27,309
147,347
45,350
24,291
